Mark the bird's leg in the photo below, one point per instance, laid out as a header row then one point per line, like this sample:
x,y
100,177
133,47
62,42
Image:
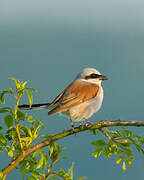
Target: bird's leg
x,y
88,123
72,124
81,126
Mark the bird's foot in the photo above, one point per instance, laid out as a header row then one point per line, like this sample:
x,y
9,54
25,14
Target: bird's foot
x,y
72,125
88,124
72,130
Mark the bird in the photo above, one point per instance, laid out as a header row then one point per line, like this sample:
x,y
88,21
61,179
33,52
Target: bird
x,y
79,100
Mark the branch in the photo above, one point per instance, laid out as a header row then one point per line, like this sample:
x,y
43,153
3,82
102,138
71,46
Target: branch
x,y
61,135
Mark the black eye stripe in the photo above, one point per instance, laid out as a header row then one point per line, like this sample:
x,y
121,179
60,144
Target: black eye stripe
x,y
93,76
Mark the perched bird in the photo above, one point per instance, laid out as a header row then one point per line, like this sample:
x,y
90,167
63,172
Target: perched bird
x,y
79,100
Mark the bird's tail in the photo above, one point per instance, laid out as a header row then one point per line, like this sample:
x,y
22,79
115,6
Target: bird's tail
x,y
35,106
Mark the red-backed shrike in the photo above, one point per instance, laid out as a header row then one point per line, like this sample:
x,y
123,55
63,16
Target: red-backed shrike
x,y
80,100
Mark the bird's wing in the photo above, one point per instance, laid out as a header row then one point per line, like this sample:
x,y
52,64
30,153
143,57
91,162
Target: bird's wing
x,y
75,94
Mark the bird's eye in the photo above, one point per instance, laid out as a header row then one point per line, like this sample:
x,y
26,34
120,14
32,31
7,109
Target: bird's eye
x,y
93,76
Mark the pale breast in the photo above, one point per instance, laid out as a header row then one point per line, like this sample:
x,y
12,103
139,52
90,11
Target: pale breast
x,y
86,109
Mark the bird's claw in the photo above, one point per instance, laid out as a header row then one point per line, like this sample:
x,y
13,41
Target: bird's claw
x,y
88,124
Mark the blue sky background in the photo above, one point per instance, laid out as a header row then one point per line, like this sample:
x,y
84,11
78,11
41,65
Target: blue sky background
x,y
50,42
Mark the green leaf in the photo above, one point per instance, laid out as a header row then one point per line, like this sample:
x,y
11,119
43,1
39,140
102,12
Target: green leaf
x,y
126,132
26,130
45,161
3,110
64,157
20,115
17,82
39,122
23,170
107,152
137,138
129,162
81,178
11,134
1,174
10,153
61,172
123,141
70,172
13,79
51,150
1,128
132,140
142,141
1,149
124,166
99,143
33,89
2,100
117,133
138,147
119,159
36,153
29,118
40,163
93,131
97,152
31,178
3,141
30,96
35,131
3,93
129,153
8,120
35,174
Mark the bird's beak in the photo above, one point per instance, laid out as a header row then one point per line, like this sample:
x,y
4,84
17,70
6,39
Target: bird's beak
x,y
103,78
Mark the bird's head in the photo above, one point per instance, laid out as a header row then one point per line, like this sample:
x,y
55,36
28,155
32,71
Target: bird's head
x,y
91,75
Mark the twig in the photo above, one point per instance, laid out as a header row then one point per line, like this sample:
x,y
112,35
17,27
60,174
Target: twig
x,y
17,122
64,134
